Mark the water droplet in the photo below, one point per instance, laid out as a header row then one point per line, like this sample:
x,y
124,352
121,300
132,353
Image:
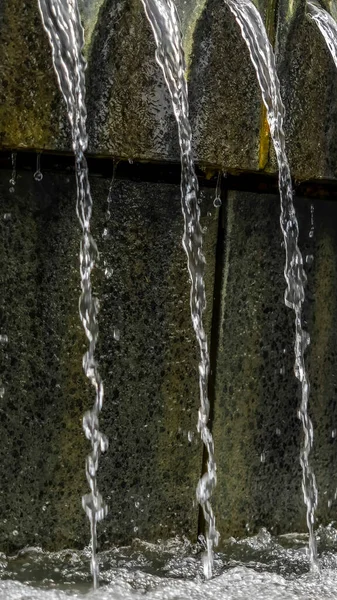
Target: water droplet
x,y
282,370
217,200
117,334
312,223
135,529
2,391
7,216
278,431
263,457
11,190
190,436
108,273
334,433
3,339
105,234
309,259
329,503
15,532
137,504
130,161
38,176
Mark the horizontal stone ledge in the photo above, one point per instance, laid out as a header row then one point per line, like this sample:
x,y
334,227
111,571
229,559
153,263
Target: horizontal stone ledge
x,y
129,110
169,172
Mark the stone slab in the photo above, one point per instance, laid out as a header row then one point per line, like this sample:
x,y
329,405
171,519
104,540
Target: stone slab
x,y
309,90
150,472
256,430
129,111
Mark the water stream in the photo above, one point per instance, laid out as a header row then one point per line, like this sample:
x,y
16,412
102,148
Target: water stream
x,y
61,20
262,56
164,20
326,24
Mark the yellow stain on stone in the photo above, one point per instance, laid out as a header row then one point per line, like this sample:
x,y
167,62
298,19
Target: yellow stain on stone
x,y
264,140
264,127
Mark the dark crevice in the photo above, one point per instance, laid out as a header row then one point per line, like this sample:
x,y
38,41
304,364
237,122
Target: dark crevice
x,y
215,328
167,172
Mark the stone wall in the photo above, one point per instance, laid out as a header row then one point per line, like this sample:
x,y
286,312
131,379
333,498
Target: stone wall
x,y
150,368
128,104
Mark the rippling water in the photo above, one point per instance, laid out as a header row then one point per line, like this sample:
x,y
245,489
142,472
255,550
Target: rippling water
x,y
260,567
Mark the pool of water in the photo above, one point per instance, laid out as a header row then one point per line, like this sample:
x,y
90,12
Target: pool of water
x,y
259,567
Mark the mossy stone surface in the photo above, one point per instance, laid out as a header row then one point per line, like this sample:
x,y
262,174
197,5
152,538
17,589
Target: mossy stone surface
x,y
149,368
31,114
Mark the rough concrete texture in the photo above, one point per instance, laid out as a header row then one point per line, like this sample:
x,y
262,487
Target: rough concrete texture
x,y
150,472
309,91
129,110
256,430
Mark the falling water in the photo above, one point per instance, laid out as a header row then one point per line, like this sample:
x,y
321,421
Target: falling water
x,y
262,57
164,20
326,24
61,20
12,180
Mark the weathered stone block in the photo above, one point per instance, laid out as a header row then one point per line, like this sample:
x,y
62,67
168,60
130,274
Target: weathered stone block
x,y
129,110
256,429
309,91
150,373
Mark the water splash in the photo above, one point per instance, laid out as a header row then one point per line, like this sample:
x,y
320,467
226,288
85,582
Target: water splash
x,y
262,56
61,20
261,567
164,20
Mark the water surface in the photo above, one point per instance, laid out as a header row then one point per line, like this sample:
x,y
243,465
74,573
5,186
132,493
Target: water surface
x,y
260,567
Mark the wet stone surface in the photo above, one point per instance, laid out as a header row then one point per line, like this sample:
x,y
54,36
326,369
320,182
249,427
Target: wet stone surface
x,y
129,110
256,430
147,356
